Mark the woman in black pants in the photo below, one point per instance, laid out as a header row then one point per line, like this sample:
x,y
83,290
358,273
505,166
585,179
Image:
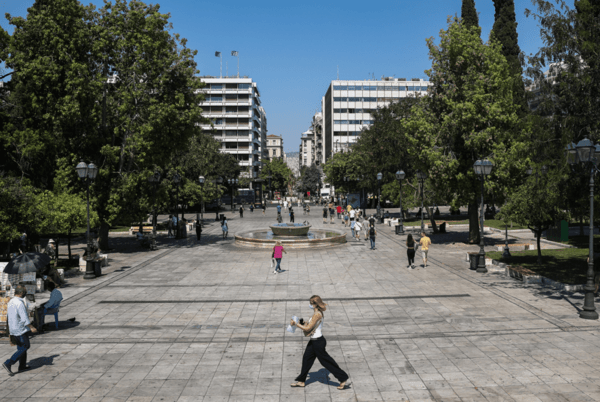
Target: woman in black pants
x,y
410,251
316,347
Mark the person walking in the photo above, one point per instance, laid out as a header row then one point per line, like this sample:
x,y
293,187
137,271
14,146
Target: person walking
x,y
170,227
331,213
357,228
224,228
346,219
308,209
352,226
316,347
199,230
372,236
325,214
252,207
241,211
291,215
19,327
425,242
264,207
410,251
339,211
277,254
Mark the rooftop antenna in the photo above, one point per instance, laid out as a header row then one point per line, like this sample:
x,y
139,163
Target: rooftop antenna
x,y
236,54
218,54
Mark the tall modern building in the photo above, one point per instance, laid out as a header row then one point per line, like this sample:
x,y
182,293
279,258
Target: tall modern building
x,y
275,147
347,107
239,121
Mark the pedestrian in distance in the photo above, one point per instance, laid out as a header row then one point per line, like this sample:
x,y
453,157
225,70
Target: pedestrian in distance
x,y
346,219
357,228
339,211
331,212
224,228
325,214
352,226
199,231
264,208
316,347
410,251
241,211
291,215
277,254
251,207
372,220
19,328
372,236
170,227
425,242
303,209
308,209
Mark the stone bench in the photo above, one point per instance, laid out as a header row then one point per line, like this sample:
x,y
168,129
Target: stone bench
x,y
135,229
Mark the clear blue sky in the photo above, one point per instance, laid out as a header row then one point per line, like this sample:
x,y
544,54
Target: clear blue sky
x,y
293,49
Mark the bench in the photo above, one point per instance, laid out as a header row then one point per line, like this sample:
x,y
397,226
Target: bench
x,y
145,229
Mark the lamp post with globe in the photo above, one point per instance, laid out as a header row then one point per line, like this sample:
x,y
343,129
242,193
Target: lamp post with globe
x,y
482,168
88,173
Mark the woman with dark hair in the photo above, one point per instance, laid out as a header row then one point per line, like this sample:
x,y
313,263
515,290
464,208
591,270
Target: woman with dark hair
x,y
316,346
410,251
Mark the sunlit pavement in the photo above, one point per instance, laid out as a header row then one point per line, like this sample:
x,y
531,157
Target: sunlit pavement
x,y
206,322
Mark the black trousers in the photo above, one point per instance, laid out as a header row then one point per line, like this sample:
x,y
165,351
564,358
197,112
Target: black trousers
x,y
410,253
316,349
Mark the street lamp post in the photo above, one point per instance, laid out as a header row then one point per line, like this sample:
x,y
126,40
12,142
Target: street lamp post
x,y
88,172
400,176
176,180
585,153
218,181
201,181
421,177
154,179
379,177
270,194
232,184
482,168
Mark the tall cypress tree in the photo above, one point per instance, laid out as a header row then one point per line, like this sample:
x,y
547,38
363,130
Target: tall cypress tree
x,y
468,13
505,31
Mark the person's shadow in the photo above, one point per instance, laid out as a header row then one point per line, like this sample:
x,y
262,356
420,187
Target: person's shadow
x,y
42,361
321,376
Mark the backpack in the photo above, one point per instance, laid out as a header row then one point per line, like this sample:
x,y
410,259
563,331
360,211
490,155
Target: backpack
x,y
372,231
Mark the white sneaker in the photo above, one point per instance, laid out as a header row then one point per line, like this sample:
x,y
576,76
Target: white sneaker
x,y
275,271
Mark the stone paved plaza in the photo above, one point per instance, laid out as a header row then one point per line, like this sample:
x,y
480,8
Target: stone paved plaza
x,y
207,323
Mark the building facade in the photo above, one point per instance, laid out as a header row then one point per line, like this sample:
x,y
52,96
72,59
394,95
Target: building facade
x,y
239,122
347,107
311,142
275,147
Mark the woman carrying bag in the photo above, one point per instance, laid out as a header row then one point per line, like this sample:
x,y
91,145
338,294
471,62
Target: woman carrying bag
x,y
316,346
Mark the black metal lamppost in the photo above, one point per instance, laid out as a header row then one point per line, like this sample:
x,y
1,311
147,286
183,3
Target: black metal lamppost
x,y
154,179
379,177
177,180
232,183
88,172
400,175
218,181
482,168
201,181
421,177
585,153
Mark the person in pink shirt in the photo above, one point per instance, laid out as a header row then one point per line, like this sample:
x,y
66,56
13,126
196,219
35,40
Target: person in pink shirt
x,y
277,254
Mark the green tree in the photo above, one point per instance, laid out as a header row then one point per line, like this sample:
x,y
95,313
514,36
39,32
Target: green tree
x,y
468,115
310,180
280,174
17,207
505,32
468,14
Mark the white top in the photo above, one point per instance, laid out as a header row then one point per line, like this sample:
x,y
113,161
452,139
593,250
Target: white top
x,y
357,226
318,332
18,319
352,213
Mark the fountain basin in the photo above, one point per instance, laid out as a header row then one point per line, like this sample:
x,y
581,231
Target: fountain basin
x,y
290,229
267,239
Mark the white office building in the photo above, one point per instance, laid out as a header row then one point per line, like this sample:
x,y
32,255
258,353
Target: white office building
x,y
238,119
347,107
311,142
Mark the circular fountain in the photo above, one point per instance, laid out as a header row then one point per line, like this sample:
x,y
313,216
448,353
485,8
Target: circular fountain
x,y
291,235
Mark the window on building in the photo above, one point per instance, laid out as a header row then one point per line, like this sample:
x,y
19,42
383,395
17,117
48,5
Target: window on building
x,y
214,98
216,86
244,86
231,86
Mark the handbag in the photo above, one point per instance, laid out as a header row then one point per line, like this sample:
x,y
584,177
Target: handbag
x,y
314,329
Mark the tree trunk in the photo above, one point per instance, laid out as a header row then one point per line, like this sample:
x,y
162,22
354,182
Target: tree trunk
x,y
104,228
69,244
473,223
539,236
433,225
